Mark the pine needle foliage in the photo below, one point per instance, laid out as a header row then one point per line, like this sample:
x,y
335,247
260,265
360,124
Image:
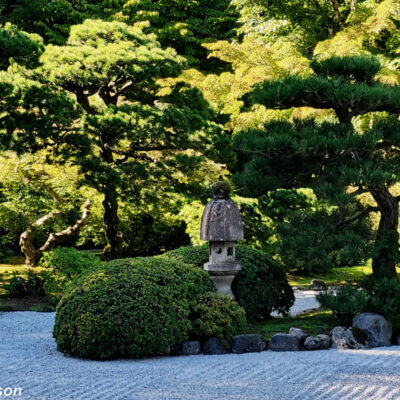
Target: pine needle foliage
x,y
331,157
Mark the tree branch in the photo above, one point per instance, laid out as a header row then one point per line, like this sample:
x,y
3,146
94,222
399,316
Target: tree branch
x,y
33,255
357,216
336,10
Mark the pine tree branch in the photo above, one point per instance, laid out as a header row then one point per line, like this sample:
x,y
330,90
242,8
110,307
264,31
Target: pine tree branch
x,y
362,214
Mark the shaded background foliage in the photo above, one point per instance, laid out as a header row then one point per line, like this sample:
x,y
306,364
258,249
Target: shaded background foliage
x,y
229,48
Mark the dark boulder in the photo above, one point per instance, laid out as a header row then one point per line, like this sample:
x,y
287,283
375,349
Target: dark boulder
x,y
284,342
247,343
216,346
188,348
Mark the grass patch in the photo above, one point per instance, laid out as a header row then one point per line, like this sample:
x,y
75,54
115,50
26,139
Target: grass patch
x,y
10,264
335,277
313,323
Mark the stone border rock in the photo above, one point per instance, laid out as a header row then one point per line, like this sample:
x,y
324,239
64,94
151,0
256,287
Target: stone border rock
x,y
369,330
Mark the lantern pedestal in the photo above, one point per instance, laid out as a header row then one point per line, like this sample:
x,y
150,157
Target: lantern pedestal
x,y
222,275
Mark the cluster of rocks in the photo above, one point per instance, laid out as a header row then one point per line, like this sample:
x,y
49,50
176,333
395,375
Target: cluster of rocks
x,y
368,330
297,340
238,344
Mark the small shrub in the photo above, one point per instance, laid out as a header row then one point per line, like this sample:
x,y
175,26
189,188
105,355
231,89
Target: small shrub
x,y
381,296
260,287
68,261
4,249
344,304
215,315
18,286
129,308
62,265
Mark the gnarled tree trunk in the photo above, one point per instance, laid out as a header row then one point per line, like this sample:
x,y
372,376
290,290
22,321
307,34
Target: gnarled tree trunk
x,y
111,221
387,239
33,255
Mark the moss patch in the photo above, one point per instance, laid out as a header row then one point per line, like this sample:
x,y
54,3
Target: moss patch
x,y
313,323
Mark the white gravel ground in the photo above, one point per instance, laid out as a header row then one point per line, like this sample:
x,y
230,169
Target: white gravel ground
x,y
29,360
305,300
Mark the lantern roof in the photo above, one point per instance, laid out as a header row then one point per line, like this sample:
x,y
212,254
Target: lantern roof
x,y
221,221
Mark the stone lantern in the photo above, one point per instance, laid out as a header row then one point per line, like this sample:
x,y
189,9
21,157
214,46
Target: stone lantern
x,y
221,226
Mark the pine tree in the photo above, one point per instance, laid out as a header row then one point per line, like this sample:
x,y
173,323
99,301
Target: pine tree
x,y
138,137
357,152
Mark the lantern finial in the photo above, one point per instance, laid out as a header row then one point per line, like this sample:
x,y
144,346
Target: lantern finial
x,y
221,189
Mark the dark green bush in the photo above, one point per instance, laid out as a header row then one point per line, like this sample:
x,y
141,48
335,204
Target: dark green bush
x,y
260,287
344,304
68,261
4,249
19,286
129,308
358,68
381,296
216,315
61,266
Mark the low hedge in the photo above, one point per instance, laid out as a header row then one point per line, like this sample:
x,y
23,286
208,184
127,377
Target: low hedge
x,y
129,308
260,287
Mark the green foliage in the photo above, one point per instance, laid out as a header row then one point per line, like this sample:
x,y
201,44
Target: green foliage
x,y
52,19
351,68
344,304
113,70
260,287
33,115
68,261
22,47
372,28
381,296
313,323
18,286
319,92
304,22
185,25
129,308
339,159
62,265
31,188
216,315
311,236
4,249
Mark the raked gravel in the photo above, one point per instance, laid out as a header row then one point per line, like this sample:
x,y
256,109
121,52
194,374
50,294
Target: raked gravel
x,y
304,300
29,359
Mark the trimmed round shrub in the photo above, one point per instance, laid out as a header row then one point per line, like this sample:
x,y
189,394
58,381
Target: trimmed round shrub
x,y
260,287
216,315
129,308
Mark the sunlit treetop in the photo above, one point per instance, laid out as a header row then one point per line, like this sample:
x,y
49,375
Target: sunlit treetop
x,y
111,57
22,47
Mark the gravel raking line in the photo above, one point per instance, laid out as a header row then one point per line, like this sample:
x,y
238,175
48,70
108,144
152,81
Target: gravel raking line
x,y
29,360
